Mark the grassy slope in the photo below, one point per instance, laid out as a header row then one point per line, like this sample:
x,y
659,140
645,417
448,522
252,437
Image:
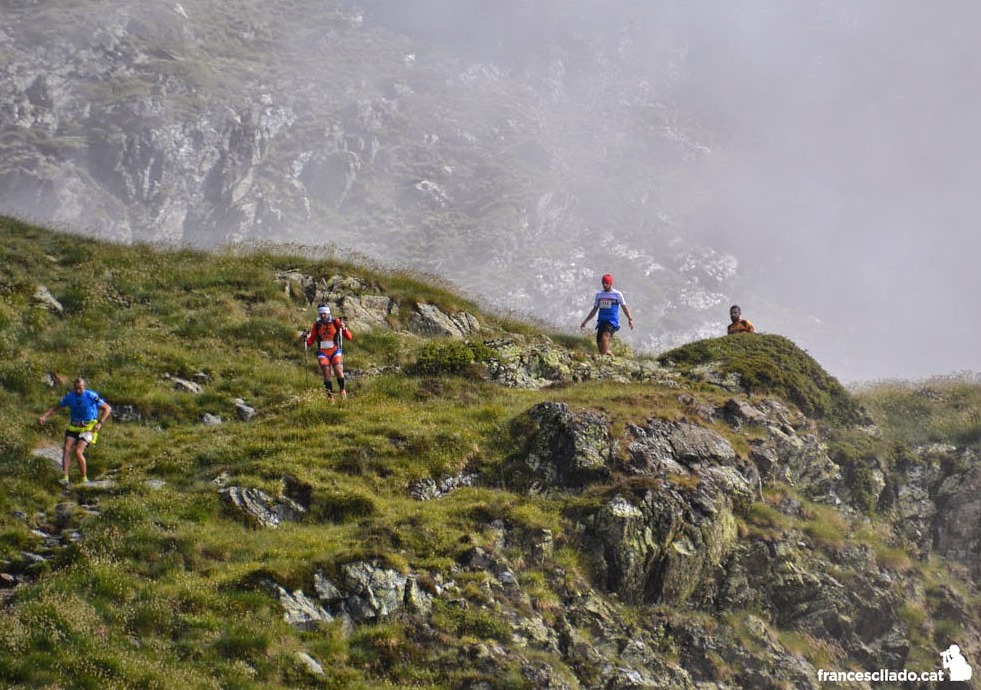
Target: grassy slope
x,y
159,593
168,566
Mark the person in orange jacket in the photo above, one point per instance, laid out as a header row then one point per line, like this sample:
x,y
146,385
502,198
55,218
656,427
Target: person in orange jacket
x,y
739,324
328,334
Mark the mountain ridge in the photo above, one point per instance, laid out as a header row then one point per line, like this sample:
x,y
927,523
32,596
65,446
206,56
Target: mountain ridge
x,y
203,126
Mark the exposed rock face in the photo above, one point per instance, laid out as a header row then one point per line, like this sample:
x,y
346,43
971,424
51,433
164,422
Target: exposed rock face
x,y
565,450
957,527
262,510
428,489
540,363
667,531
428,320
368,312
663,446
661,537
366,593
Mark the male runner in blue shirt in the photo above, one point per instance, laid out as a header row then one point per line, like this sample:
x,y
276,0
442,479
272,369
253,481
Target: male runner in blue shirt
x,y
608,303
88,412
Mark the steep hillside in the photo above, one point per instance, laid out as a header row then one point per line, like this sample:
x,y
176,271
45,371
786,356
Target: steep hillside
x,y
492,507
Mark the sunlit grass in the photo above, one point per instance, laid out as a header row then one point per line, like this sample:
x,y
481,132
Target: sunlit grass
x,y
931,411
166,585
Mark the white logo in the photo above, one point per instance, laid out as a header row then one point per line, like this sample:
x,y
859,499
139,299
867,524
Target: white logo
x,y
956,664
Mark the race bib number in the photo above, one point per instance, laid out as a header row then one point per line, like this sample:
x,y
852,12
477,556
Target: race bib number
x,y
606,303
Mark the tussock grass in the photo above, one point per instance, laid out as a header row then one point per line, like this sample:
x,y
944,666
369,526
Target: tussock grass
x,y
165,588
941,409
771,365
169,564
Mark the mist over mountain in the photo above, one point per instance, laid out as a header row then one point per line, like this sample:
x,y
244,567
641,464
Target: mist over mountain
x,y
813,163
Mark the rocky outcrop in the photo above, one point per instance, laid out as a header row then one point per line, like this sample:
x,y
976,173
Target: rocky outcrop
x,y
660,536
365,593
659,447
364,307
539,363
957,522
259,509
563,451
428,488
430,321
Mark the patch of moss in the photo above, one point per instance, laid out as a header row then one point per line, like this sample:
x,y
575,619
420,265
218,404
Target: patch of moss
x,y
771,365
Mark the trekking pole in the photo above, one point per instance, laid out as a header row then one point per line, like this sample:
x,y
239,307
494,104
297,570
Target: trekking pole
x,y
306,358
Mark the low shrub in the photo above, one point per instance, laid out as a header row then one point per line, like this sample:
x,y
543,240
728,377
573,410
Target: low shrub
x,y
438,357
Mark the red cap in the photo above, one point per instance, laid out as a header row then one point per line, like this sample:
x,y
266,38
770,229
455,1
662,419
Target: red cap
x,y
607,277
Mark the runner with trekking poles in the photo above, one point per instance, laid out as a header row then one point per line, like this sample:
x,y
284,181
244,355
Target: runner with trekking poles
x,y
328,334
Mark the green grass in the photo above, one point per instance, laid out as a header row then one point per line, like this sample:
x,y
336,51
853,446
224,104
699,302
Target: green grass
x,y
164,587
946,409
171,567
772,365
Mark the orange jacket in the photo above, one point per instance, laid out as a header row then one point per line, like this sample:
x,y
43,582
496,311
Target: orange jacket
x,y
741,326
328,335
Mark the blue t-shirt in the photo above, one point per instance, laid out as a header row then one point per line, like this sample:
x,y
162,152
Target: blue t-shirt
x,y
609,302
84,407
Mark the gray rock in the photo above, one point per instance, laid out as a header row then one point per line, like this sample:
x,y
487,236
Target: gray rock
x,y
311,665
958,515
327,591
564,450
255,505
739,412
44,298
299,610
676,446
430,321
298,285
260,509
243,410
428,489
184,385
368,312
381,591
368,593
51,453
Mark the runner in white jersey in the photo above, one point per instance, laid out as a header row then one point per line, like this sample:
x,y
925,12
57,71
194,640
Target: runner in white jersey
x,y
607,303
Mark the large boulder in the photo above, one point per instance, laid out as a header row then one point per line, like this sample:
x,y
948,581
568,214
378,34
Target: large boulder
x,y
429,320
563,450
802,589
660,541
367,312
